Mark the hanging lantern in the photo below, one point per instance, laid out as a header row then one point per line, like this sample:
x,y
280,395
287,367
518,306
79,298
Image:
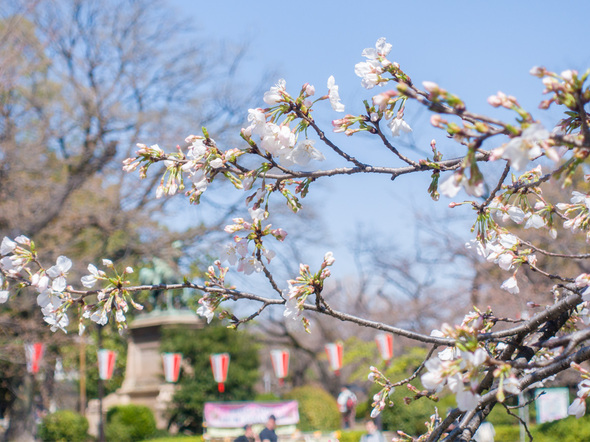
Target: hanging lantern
x,y
34,355
385,345
334,352
171,363
106,363
280,364
219,366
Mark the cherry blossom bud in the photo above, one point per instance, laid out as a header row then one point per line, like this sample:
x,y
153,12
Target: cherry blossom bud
x,y
431,87
216,163
569,75
538,71
545,104
437,121
309,89
382,100
495,101
279,234
23,240
329,259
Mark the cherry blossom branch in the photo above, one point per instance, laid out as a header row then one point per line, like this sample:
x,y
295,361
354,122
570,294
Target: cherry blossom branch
x,y
553,254
522,421
532,324
416,372
392,148
322,136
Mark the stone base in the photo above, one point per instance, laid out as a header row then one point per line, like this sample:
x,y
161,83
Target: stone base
x,y
144,376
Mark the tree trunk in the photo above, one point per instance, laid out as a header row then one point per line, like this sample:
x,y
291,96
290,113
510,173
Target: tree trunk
x,y
22,417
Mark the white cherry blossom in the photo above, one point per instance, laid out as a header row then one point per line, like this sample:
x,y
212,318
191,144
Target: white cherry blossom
x,y
577,408
535,221
275,94
510,285
89,280
7,246
59,272
520,150
467,400
302,154
334,96
398,125
57,321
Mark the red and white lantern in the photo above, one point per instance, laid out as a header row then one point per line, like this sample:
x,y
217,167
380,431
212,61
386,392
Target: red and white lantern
x,y
334,352
106,363
219,367
171,363
34,356
385,345
280,364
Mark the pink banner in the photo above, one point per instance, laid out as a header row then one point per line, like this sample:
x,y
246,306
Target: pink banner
x,y
238,414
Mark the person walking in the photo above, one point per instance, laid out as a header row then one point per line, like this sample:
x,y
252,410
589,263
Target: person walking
x,y
347,405
268,433
248,436
373,434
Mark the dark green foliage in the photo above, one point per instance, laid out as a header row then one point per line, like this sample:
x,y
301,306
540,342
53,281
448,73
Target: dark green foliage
x,y
407,418
199,386
63,426
111,340
130,423
318,410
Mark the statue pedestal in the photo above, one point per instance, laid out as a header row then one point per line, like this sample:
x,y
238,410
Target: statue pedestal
x,y
144,375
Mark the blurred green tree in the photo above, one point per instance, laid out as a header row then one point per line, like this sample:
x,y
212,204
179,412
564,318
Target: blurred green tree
x,y
197,385
81,82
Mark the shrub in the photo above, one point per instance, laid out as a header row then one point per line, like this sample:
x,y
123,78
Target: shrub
x,y
177,439
64,426
564,430
318,410
130,423
509,433
351,436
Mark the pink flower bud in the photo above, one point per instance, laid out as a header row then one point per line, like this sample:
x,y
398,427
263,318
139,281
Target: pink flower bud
x,y
495,101
545,104
436,120
538,71
569,75
431,87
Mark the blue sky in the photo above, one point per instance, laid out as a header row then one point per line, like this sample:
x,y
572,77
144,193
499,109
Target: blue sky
x,y
471,48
